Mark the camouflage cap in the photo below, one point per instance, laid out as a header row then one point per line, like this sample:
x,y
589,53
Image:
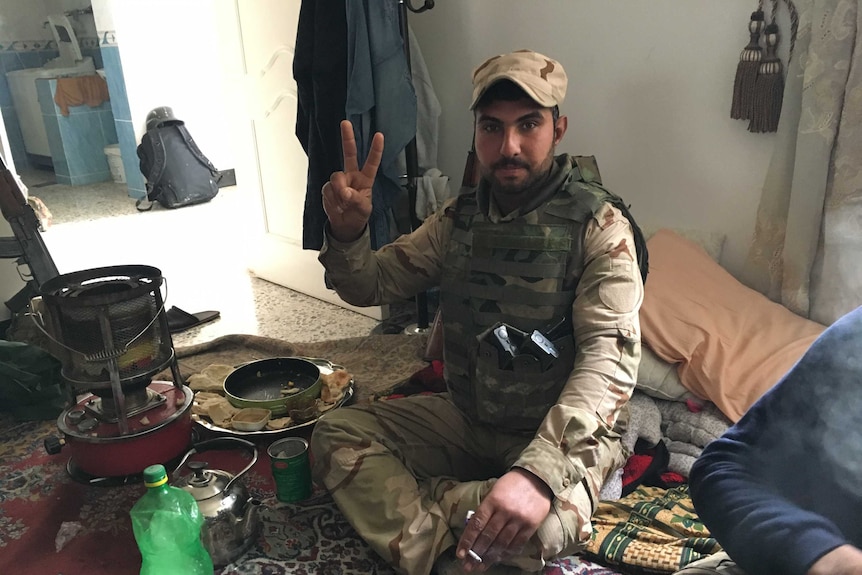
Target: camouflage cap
x,y
542,78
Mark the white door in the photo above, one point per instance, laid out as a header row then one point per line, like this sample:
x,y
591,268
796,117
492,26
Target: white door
x,y
268,33
10,281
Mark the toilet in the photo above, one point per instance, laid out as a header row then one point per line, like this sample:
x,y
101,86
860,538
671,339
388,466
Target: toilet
x,y
22,83
115,163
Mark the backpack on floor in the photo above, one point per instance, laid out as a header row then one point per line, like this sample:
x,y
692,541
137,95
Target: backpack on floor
x,y
177,172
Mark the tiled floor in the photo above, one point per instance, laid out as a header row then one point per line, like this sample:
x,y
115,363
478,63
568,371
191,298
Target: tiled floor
x,y
201,253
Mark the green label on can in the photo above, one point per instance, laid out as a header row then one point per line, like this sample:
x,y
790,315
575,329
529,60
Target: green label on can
x,y
290,469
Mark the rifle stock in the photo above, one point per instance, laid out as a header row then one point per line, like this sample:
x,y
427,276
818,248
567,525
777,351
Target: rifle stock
x,y
30,249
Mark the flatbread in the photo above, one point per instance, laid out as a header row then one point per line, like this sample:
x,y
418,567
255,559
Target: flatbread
x,y
334,385
218,372
279,423
220,411
203,382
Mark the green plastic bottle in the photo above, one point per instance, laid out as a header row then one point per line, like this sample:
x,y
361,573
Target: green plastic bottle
x,y
167,525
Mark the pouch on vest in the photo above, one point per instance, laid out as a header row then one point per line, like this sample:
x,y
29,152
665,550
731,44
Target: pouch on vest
x,y
177,172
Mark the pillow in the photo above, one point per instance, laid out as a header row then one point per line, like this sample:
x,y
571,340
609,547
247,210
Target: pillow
x,y
712,242
659,379
732,342
656,377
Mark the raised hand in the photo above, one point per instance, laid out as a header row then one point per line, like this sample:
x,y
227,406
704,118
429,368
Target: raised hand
x,y
347,194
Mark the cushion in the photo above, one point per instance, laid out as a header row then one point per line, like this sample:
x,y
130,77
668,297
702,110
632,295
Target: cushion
x,y
732,343
658,378
712,242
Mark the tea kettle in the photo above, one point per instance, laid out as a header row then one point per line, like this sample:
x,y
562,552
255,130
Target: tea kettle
x,y
231,516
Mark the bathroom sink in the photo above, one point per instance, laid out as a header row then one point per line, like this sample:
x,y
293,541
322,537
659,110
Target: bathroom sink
x,y
60,66
22,86
55,69
22,83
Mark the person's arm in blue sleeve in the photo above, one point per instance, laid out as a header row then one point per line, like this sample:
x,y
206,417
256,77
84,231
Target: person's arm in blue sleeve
x,y
780,489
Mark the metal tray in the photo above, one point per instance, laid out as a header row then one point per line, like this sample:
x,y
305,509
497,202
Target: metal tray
x,y
326,367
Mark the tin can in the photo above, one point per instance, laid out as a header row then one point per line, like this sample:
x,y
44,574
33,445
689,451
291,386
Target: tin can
x,y
290,469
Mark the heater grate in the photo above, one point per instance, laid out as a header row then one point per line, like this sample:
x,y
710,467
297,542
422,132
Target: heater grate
x,y
108,319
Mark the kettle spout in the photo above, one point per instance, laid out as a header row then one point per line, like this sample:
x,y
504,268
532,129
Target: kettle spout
x,y
250,520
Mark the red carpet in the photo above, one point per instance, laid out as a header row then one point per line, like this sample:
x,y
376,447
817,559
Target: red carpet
x,y
37,496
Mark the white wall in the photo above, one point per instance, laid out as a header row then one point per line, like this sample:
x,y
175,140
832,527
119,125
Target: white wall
x,y
22,20
25,19
186,54
10,283
649,95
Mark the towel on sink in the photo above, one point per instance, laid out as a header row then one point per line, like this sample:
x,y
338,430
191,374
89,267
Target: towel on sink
x,y
79,90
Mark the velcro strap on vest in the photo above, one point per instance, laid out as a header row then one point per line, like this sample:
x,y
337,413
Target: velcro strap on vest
x,y
509,294
531,243
536,319
522,269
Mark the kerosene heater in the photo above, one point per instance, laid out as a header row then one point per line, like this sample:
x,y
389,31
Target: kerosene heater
x,y
109,330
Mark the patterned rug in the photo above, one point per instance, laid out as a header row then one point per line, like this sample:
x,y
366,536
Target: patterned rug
x,y
51,524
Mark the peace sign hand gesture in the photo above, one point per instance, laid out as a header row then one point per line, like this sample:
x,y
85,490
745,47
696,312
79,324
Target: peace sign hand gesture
x,y
347,194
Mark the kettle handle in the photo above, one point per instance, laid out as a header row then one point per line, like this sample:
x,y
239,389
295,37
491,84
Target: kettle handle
x,y
222,443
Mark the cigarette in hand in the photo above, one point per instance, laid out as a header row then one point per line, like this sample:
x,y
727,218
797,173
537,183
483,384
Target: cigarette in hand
x,y
473,555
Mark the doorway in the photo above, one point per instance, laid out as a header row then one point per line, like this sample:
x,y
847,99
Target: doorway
x,y
268,31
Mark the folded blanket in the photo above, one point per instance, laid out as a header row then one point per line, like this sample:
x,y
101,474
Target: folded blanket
x,y
652,530
644,423
686,433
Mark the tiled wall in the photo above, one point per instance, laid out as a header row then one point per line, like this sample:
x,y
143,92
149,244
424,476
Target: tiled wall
x,y
122,114
77,141
20,54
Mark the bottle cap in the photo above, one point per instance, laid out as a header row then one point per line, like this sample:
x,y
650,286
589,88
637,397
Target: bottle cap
x,y
155,475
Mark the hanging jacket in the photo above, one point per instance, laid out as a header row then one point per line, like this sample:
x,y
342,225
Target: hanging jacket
x,y
320,71
380,98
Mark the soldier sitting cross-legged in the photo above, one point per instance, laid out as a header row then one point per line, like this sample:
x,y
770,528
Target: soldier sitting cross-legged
x,y
540,271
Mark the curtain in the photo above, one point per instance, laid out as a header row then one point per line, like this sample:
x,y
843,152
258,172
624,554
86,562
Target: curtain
x,y
806,252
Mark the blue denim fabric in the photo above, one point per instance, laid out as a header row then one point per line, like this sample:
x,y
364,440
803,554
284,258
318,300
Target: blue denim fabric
x,y
380,98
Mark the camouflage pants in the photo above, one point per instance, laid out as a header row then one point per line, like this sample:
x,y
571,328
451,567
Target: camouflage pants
x,y
405,472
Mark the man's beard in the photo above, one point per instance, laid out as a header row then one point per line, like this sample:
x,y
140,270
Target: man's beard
x,y
534,177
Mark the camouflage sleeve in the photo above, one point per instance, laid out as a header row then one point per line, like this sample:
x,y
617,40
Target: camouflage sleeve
x,y
607,334
397,271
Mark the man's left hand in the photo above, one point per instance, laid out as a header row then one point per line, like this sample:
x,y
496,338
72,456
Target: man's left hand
x,y
507,517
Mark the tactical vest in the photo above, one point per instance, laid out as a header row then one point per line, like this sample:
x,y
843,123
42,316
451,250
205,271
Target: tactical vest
x,y
525,275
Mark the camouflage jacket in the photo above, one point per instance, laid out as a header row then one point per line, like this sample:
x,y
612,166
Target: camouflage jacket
x,y
605,310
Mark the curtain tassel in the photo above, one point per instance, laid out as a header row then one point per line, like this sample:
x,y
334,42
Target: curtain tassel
x,y
746,71
769,87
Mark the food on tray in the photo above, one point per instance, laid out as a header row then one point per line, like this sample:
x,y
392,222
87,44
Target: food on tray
x,y
220,411
279,423
202,396
211,378
204,400
324,407
250,419
306,413
334,385
210,403
201,382
218,371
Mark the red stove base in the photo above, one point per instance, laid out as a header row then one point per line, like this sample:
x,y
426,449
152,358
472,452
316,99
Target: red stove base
x,y
157,435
